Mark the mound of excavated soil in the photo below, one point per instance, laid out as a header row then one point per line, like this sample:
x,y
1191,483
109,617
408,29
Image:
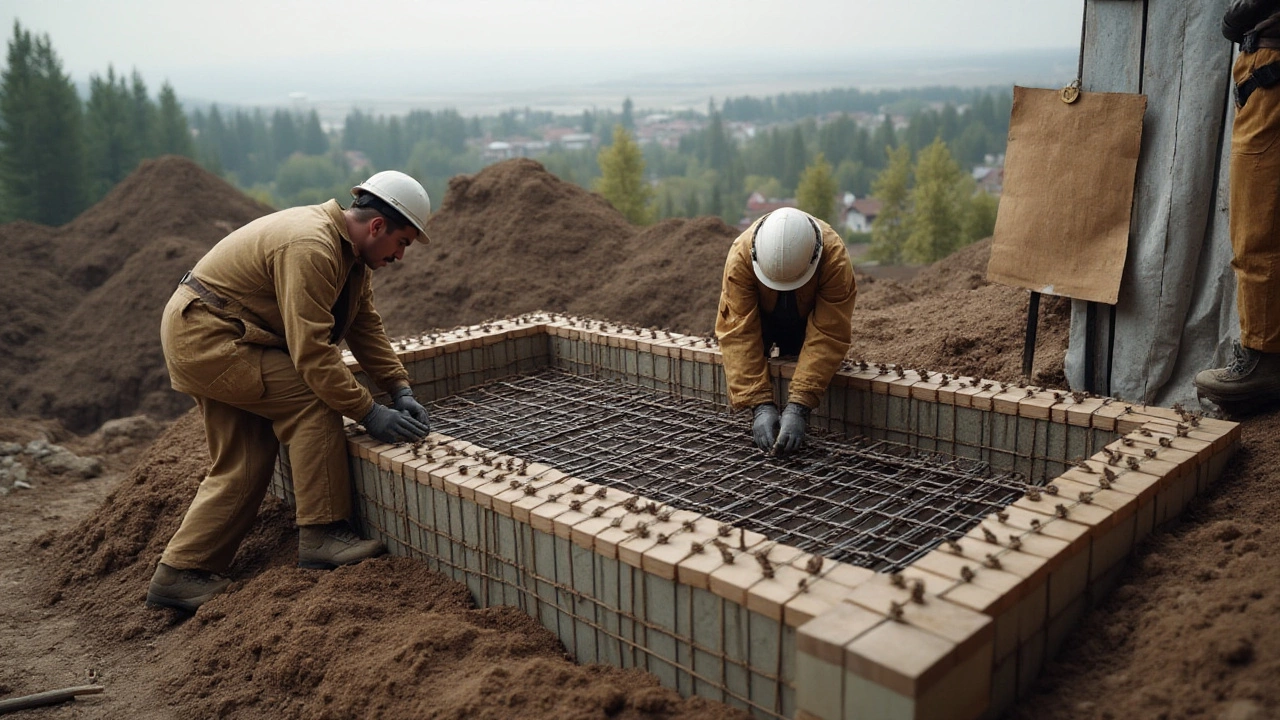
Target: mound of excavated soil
x,y
81,342
513,238
385,638
950,319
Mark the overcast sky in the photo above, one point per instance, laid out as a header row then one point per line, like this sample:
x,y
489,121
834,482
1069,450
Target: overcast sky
x,y
259,51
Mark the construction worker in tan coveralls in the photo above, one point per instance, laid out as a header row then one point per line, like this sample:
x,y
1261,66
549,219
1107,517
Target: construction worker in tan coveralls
x,y
788,281
252,334
1251,381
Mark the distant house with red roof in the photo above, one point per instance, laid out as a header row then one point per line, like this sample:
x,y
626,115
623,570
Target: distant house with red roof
x,y
758,205
859,213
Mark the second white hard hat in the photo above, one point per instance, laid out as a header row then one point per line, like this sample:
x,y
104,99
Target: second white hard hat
x,y
786,249
401,192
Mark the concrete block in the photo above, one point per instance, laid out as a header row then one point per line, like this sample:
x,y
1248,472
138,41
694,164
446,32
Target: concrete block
x,y
1031,659
564,598
1102,586
683,637
449,552
765,658
820,657
582,572
1004,687
1111,548
969,427
468,525
924,423
769,595
787,683
707,633
736,655
816,597
630,607
507,556
898,420
899,671
1001,442
946,428
544,575
1062,624
609,639
660,638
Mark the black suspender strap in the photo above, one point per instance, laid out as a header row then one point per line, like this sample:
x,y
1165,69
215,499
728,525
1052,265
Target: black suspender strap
x,y
1263,77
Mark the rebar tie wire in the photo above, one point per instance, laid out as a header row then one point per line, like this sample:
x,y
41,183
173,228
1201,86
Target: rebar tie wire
x,y
875,504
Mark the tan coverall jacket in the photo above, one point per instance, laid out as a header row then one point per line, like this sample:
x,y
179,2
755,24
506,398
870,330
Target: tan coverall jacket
x,y
827,303
262,361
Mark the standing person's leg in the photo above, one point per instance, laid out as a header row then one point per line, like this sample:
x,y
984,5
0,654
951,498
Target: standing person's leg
x,y
1251,380
1255,209
243,450
317,446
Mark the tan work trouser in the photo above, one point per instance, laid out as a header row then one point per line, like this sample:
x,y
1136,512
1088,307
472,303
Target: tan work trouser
x,y
252,399
1255,207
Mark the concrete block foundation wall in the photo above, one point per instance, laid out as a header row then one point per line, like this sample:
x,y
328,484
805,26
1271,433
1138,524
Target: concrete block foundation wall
x,y
728,614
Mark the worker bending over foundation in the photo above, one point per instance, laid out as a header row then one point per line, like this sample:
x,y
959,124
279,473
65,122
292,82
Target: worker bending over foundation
x,y
788,284
252,334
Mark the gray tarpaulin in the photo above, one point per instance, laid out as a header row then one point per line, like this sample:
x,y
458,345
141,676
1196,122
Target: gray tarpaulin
x,y
1176,312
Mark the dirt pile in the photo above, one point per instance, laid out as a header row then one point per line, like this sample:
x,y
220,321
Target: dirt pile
x,y
80,341
386,638
80,344
1191,630
950,319
514,238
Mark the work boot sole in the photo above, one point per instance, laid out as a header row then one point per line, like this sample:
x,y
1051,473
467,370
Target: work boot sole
x,y
331,565
1238,406
187,605
319,565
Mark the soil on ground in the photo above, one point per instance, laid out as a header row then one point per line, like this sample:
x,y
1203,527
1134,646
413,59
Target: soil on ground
x,y
1190,633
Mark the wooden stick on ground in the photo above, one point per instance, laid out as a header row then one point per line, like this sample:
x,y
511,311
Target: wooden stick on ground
x,y
49,697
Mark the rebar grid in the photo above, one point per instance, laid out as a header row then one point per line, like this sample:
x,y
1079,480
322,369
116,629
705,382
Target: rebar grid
x,y
876,504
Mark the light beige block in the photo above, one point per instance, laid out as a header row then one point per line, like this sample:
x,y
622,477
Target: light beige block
x,y
820,654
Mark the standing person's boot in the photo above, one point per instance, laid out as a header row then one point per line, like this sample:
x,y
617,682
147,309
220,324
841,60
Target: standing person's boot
x,y
1249,383
183,590
325,547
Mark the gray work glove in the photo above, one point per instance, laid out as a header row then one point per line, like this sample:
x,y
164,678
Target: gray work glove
x,y
795,418
764,428
404,401
393,426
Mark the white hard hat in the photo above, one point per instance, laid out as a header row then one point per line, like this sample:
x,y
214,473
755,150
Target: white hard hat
x,y
786,248
401,192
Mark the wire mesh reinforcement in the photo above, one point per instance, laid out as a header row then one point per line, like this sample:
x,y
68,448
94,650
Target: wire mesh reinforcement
x,y
875,504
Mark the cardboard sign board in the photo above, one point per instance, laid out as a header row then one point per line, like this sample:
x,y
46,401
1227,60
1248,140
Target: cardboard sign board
x,y
1063,224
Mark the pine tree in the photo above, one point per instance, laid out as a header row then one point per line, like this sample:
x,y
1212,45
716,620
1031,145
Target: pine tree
x,y
797,158
938,206
285,140
980,219
112,147
892,226
173,135
816,194
314,141
628,119
41,142
885,138
622,180
144,117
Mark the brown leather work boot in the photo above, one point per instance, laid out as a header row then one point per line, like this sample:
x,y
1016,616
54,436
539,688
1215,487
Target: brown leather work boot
x,y
325,547
1249,383
183,590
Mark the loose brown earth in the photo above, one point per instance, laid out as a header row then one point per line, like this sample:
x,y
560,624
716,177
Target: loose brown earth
x,y
1190,633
